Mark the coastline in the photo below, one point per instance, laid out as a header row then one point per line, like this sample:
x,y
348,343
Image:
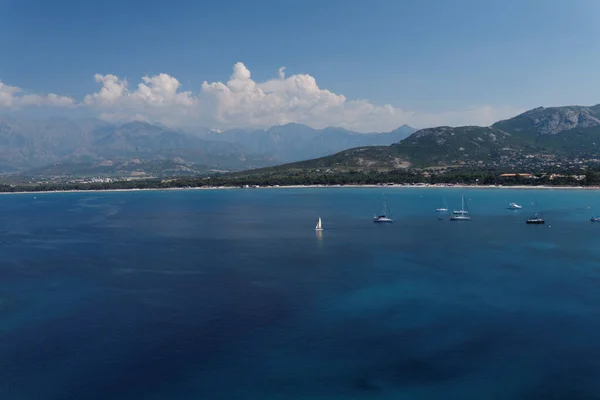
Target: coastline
x,y
391,186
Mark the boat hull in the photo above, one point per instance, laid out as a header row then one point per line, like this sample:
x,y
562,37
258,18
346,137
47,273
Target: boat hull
x,y
460,218
382,220
535,222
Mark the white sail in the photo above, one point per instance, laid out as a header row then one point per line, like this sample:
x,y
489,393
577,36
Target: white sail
x,y
319,226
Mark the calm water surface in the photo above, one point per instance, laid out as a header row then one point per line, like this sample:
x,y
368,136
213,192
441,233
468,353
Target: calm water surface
x,y
232,295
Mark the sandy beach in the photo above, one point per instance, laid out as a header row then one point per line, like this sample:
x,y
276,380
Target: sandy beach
x,y
394,186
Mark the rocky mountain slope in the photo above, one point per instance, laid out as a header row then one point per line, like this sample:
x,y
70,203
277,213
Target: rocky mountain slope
x,y
551,121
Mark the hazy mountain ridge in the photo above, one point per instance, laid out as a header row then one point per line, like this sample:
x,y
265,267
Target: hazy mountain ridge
x,y
295,142
27,144
60,145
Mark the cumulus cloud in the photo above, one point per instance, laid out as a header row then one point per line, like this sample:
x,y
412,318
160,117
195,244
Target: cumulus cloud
x,y
13,97
244,102
297,98
154,92
156,98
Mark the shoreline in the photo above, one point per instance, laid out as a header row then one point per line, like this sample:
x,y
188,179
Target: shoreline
x,y
393,186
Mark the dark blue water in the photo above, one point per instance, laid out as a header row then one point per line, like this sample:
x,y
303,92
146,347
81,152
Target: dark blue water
x,y
232,295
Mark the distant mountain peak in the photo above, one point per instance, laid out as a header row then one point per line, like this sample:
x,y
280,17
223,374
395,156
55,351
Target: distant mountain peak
x,y
143,124
291,128
405,129
290,125
338,129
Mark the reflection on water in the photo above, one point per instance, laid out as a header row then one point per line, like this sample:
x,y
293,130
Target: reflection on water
x,y
319,236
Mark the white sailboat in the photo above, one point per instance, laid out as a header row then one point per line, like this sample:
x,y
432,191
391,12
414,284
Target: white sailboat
x,y
462,214
319,226
443,209
384,216
514,206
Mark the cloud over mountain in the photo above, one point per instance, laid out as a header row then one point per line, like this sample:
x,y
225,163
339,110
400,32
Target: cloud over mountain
x,y
243,102
13,97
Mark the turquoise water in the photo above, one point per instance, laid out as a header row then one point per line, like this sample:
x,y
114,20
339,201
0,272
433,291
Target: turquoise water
x,y
231,294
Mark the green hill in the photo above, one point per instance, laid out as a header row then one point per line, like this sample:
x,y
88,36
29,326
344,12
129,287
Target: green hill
x,y
541,136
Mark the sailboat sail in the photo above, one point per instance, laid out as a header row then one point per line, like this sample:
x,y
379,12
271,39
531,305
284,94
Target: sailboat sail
x,y
319,226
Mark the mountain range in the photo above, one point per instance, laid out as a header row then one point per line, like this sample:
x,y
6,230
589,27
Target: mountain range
x,y
91,147
60,147
539,137
295,142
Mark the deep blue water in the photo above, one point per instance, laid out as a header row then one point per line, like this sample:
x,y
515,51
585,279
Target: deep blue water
x,y
230,294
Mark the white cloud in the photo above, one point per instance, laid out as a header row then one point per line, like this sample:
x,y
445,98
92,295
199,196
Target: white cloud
x,y
13,97
159,91
243,102
112,92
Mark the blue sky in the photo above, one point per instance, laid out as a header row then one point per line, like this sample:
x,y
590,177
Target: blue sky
x,y
435,61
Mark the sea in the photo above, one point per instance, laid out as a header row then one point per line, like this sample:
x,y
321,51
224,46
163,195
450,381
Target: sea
x,y
232,294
